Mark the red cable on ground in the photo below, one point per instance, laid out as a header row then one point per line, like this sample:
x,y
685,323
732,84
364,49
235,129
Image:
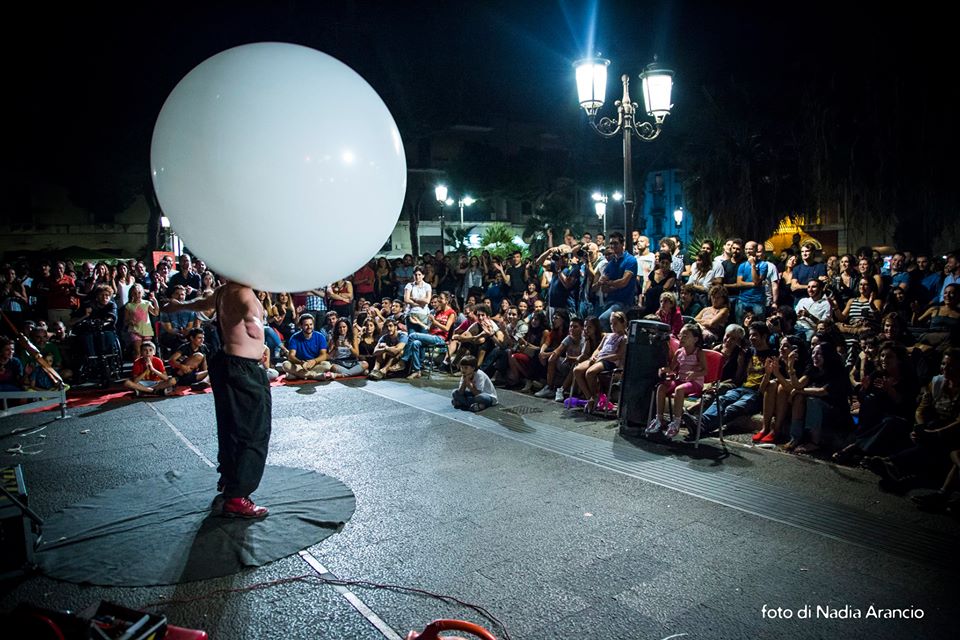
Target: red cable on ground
x,y
311,577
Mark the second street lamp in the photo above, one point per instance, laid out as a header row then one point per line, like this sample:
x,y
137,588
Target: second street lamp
x,y
657,86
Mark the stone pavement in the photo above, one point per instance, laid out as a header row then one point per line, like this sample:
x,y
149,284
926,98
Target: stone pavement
x,y
547,518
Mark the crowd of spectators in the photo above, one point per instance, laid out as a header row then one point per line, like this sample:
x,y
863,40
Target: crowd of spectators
x,y
849,355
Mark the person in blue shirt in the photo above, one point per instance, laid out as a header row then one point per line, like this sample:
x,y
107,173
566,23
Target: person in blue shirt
x,y
307,352
619,280
751,276
806,271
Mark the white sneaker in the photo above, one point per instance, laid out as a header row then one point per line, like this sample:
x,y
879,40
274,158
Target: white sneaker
x,y
673,428
559,396
546,392
654,426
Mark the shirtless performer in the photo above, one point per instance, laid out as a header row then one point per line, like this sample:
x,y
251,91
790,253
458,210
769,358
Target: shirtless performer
x,y
241,394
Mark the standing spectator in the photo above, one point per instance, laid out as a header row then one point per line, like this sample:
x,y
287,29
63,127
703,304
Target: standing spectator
x,y
590,271
122,284
416,297
340,298
670,246
315,302
364,280
563,284
771,284
646,259
751,276
13,295
137,321
472,279
702,275
731,267
383,282
403,273
187,278
951,275
64,297
514,277
619,280
806,271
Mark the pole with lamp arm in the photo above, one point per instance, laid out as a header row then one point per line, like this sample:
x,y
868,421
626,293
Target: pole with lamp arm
x,y
441,194
657,85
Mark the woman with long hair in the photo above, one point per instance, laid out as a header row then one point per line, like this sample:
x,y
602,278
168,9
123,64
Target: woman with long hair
x,y
868,271
659,280
472,279
702,275
713,319
136,315
122,282
525,356
367,341
344,350
284,316
844,283
786,277
819,399
607,357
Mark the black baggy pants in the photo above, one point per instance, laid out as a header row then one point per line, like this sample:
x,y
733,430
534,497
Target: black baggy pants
x,y
241,395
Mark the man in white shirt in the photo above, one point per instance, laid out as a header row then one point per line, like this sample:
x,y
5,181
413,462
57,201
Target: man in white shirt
x,y
646,259
812,309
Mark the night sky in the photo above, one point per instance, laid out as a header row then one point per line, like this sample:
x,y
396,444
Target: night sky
x,y
88,81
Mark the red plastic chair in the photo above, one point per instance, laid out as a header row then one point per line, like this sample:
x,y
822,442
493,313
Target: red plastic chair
x,y
710,379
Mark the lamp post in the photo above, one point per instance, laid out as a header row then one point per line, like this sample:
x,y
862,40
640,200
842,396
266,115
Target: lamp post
x,y
441,194
465,201
678,216
657,85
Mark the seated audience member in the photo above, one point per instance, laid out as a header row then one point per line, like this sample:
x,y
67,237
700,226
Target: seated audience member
x,y
608,356
713,319
731,348
819,400
781,372
690,304
11,368
474,339
496,362
812,309
683,377
934,452
97,322
368,334
660,280
536,367
175,326
531,295
137,313
283,319
943,319
388,353
521,362
307,352
668,313
441,323
562,362
476,392
887,402
189,362
327,323
50,350
344,349
272,374
745,399
63,296
148,374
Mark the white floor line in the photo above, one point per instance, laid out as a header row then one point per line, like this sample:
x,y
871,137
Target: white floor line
x,y
352,598
180,435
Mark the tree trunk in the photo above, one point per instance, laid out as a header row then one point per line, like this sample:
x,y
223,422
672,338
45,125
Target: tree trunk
x,y
415,226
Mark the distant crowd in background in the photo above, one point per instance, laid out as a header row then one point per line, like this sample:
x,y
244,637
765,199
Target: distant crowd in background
x,y
852,355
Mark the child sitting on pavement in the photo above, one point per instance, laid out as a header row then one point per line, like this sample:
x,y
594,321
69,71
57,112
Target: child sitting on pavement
x,y
149,375
476,392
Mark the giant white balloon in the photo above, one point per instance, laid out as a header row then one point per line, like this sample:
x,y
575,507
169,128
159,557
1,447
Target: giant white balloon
x,y
279,166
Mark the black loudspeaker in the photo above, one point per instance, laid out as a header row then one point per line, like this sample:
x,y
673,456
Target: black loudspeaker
x,y
648,344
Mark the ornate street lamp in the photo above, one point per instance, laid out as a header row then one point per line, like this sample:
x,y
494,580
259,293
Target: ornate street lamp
x,y
678,216
656,85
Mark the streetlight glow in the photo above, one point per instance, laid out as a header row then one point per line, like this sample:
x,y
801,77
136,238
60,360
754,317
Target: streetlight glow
x,y
617,196
678,215
601,208
592,83
441,193
657,86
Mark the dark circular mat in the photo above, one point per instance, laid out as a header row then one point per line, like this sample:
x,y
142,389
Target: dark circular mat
x,y
164,530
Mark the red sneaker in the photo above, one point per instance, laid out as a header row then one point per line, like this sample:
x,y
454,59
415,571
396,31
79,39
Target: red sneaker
x,y
769,438
243,508
758,436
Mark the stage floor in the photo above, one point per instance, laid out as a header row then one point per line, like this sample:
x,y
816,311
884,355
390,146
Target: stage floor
x,y
548,519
